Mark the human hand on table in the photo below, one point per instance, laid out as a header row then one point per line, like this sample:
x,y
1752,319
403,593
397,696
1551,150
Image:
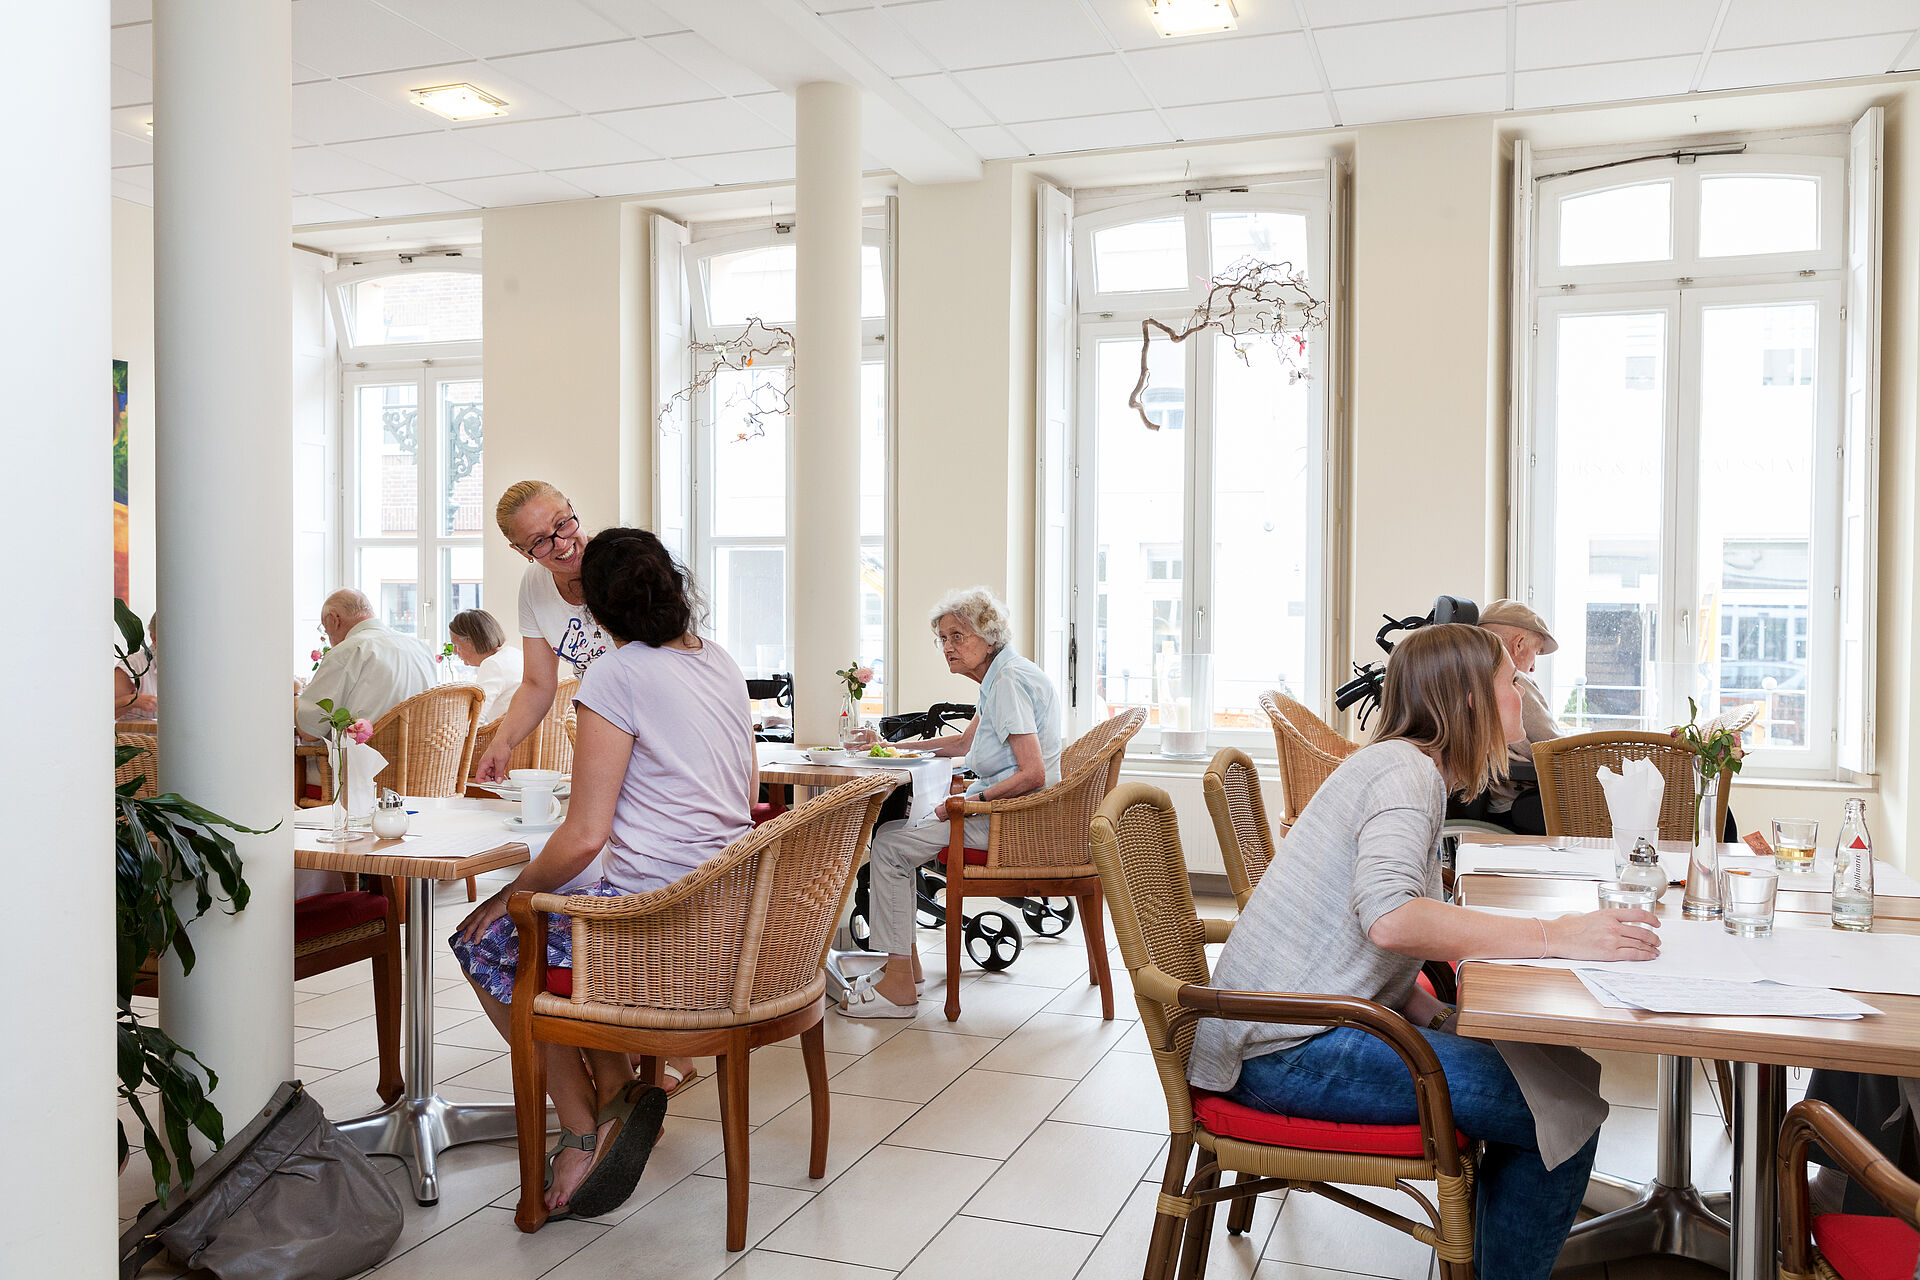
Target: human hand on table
x,y
1613,934
481,918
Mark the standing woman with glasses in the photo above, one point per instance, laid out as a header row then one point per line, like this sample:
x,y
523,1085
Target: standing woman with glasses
x,y
556,626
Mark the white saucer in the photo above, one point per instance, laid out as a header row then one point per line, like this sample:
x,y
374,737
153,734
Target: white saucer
x,y
513,823
511,790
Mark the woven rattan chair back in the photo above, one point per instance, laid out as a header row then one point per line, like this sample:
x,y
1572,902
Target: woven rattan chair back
x,y
1046,831
428,741
1143,873
1232,788
549,746
145,766
743,937
1570,796
1308,748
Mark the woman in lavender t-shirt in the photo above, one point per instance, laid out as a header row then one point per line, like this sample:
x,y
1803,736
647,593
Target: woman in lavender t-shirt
x,y
663,779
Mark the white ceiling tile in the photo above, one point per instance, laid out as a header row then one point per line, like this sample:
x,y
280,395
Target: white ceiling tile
x,y
1761,22
129,192
1129,25
318,170
1575,32
1461,44
1294,113
1911,61
875,35
1797,63
351,37
331,111
513,188
129,150
606,77
140,176
1179,73
486,28
565,143
736,168
689,52
403,202
986,33
1344,13
303,74
637,17
1093,133
1051,90
695,128
953,105
991,142
129,87
1470,95
132,48
1603,82
632,179
524,102
132,121
310,211
433,157
777,109
125,11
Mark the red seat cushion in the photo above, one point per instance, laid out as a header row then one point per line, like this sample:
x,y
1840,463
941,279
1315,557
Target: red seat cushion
x,y
1863,1247
767,812
1231,1120
325,913
560,982
975,857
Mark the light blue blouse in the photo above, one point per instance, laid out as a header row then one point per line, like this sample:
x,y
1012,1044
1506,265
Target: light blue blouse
x,y
1015,697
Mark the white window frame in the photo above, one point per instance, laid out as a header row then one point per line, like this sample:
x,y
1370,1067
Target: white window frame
x,y
1109,315
1684,287
395,353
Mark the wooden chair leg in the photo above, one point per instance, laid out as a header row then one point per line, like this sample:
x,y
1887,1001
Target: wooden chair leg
x,y
1240,1216
1099,966
1166,1228
732,1065
956,928
813,1050
649,1069
1199,1233
530,1121
473,890
386,1021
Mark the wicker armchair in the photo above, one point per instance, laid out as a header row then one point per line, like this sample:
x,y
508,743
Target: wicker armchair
x,y
1232,788
1308,748
1842,1246
1574,805
729,957
1136,845
549,746
145,766
1037,848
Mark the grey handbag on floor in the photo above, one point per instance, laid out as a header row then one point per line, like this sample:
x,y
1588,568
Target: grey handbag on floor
x,y
288,1198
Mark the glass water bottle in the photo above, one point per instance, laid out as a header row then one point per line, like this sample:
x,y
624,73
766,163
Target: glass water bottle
x,y
1853,870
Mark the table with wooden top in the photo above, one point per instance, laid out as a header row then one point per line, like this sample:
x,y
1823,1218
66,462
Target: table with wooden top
x,y
1551,1006
447,840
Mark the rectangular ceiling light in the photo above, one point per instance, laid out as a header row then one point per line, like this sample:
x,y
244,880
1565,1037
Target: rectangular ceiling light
x,y
1173,18
459,102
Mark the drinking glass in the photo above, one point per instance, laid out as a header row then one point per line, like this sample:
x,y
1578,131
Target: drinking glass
x,y
1617,895
1793,843
1746,900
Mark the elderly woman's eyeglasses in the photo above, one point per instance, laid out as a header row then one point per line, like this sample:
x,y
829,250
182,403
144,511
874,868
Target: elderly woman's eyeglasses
x,y
541,548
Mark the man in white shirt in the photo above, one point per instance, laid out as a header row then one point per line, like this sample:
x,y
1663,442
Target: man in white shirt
x,y
369,670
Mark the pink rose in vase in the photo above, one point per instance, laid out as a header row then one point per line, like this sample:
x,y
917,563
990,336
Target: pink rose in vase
x,y
360,730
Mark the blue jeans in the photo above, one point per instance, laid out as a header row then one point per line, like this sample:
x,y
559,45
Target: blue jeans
x,y
1522,1210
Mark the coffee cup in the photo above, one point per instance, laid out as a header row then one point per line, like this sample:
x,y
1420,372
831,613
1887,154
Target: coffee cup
x,y
549,778
538,805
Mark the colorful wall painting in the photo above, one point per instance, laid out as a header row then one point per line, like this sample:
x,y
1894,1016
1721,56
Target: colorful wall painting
x,y
120,479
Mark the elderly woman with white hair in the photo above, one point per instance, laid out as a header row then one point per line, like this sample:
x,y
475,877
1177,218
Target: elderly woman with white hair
x,y
1012,744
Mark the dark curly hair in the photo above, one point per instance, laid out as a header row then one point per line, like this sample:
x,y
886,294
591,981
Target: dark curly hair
x,y
635,589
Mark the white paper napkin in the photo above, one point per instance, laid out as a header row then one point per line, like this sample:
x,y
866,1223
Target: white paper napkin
x,y
1633,803
363,765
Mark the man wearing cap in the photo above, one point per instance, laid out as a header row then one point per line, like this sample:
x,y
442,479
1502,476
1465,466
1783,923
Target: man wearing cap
x,y
1515,801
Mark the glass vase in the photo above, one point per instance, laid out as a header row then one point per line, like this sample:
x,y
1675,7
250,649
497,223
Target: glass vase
x,y
341,832
849,723
1702,900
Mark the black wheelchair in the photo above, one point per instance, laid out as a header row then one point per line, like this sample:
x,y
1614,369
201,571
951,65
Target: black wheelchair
x,y
991,938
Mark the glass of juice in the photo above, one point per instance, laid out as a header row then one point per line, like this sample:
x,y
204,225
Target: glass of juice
x,y
1793,844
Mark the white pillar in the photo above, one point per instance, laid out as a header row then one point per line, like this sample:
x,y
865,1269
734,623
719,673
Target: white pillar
x,y
57,1216
223,499
826,407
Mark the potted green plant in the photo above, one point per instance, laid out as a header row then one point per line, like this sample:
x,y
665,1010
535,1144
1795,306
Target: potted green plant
x,y
163,846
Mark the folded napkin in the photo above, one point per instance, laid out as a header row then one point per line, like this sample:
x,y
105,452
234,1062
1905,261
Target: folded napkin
x,y
1633,802
363,765
1562,1088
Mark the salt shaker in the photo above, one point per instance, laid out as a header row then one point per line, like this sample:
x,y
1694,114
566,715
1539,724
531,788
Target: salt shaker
x,y
1643,868
390,816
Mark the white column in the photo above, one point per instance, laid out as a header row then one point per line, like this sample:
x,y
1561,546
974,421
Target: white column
x,y
57,1107
223,494
826,407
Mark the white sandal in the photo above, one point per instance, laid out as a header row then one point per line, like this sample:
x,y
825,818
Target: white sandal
x,y
868,1003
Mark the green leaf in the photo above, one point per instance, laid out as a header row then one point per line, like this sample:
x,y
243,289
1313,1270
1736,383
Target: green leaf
x,y
132,630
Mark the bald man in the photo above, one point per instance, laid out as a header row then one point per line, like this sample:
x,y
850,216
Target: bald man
x,y
369,670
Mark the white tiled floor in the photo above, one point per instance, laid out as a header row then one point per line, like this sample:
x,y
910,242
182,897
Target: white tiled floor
x,y
1027,1138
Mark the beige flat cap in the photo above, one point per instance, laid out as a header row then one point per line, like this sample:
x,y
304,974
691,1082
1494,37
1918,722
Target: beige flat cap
x,y
1512,613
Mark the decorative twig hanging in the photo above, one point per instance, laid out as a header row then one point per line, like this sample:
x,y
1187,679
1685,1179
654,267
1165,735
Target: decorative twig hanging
x,y
1253,300
765,401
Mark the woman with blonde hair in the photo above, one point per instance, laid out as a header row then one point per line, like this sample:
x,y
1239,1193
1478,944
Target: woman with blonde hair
x,y
556,626
1357,907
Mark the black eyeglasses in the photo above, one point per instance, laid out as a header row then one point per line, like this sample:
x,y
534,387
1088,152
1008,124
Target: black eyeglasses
x,y
543,547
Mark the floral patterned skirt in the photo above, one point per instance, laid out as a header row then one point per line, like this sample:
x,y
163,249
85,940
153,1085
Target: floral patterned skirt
x,y
492,959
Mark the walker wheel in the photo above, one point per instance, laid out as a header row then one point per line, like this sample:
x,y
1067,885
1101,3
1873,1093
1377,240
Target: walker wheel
x,y
1048,917
993,940
857,926
928,911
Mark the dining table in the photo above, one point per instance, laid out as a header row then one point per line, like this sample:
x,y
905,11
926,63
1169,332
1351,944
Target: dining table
x,y
447,839
1736,1231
